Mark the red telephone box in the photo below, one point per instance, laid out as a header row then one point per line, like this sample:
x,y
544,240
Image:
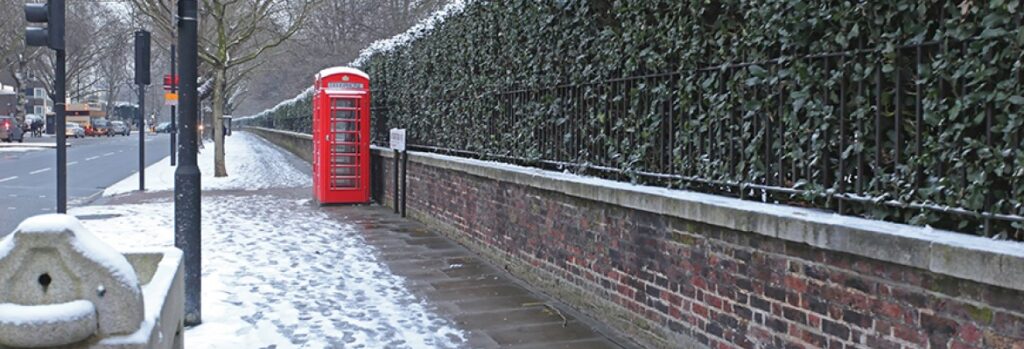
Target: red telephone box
x,y
341,136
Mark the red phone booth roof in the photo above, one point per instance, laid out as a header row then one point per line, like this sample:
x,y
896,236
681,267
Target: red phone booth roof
x,y
341,70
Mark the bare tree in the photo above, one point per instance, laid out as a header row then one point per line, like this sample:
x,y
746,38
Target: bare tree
x,y
84,25
239,33
333,37
112,68
14,56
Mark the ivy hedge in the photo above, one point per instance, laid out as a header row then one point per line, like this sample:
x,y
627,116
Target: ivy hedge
x,y
902,110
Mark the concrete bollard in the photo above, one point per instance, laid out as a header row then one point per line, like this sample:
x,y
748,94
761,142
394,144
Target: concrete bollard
x,y
61,286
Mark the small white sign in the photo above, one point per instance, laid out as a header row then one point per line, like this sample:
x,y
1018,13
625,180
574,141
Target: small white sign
x,y
398,139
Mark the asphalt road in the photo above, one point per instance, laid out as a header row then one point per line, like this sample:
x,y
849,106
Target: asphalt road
x,y
28,179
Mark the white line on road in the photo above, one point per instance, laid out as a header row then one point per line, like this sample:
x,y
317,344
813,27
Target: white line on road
x,y
72,163
91,158
108,154
8,179
39,171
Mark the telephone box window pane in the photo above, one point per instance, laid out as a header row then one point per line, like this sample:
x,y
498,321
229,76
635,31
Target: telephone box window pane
x,y
344,103
346,171
344,160
344,183
346,126
346,137
345,114
342,148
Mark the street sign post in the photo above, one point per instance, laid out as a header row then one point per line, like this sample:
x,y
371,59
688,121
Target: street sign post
x,y
171,85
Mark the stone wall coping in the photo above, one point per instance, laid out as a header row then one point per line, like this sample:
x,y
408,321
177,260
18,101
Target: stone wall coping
x,y
984,260
286,133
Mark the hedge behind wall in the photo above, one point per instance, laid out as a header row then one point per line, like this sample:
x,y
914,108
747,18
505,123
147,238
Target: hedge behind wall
x,y
902,110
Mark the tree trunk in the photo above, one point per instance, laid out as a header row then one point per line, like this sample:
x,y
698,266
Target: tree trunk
x,y
219,169
19,91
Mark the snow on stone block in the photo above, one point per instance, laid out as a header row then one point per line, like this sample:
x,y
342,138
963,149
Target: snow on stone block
x,y
52,259
63,323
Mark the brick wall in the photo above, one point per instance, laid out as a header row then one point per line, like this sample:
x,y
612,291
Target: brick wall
x,y
675,283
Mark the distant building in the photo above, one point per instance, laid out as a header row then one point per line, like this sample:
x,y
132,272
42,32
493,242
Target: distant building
x,y
38,102
8,95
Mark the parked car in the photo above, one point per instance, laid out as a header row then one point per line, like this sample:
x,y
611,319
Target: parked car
x,y
74,130
99,127
163,127
120,128
10,131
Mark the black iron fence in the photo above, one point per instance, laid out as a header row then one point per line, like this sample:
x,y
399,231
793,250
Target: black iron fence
x,y
916,133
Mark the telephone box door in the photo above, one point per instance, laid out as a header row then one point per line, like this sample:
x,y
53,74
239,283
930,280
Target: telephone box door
x,y
345,148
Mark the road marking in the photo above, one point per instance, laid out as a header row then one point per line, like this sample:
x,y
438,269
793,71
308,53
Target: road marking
x,y
108,154
12,208
91,158
9,179
39,171
72,163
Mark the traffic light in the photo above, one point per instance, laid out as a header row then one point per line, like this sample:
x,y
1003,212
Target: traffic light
x,y
51,13
142,57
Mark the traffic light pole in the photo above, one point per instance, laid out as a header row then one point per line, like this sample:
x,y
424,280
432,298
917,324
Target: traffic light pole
x,y
52,36
142,79
187,194
142,137
62,150
174,115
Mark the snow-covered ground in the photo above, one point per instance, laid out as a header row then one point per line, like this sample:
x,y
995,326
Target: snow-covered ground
x,y
277,272
252,164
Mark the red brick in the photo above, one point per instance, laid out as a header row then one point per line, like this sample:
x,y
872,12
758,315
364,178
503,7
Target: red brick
x,y
969,333
796,284
910,335
700,310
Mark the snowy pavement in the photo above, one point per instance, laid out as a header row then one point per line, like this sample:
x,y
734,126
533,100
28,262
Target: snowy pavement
x,y
294,279
281,272
252,164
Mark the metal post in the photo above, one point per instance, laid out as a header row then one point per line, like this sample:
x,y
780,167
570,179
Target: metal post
x,y
142,137
405,173
174,115
187,195
62,151
397,159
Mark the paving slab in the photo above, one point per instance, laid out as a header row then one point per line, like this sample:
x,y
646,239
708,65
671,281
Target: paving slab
x,y
495,310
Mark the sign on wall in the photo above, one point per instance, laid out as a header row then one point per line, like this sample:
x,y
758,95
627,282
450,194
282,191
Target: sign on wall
x,y
398,139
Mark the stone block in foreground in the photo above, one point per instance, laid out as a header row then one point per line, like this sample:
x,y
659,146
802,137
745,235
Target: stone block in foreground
x,y
61,286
